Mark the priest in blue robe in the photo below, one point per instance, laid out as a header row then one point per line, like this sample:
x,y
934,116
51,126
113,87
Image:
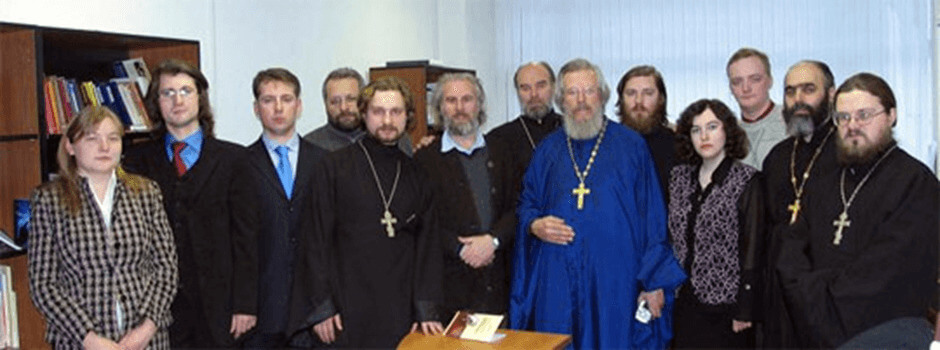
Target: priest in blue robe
x,y
591,242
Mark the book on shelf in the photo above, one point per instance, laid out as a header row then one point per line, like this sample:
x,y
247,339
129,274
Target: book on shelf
x,y
136,70
65,98
9,324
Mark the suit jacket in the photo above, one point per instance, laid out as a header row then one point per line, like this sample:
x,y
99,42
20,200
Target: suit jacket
x,y
282,221
77,268
485,289
213,213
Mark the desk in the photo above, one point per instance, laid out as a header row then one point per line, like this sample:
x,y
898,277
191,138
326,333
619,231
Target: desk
x,y
513,340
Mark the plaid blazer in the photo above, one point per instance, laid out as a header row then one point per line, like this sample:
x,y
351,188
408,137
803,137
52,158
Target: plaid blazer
x,y
77,269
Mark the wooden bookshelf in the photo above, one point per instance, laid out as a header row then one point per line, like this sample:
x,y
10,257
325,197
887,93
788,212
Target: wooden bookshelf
x,y
27,152
420,77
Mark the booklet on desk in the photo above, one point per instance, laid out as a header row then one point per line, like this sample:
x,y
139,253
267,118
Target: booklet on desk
x,y
475,326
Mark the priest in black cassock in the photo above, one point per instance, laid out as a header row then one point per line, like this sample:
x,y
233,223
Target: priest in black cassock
x,y
373,269
535,82
808,154
641,104
864,249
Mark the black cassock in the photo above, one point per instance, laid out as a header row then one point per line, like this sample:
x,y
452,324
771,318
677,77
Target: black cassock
x,y
378,284
885,265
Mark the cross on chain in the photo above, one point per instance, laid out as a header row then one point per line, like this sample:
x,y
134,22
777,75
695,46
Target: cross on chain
x,y
388,220
842,223
580,192
794,210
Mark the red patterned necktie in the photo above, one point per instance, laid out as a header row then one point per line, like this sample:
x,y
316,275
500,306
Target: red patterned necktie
x,y
177,159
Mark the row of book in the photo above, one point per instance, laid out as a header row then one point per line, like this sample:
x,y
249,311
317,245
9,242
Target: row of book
x,y
9,324
65,98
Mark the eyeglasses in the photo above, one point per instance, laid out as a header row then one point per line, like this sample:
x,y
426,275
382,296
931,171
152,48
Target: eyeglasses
x,y
589,92
862,117
182,92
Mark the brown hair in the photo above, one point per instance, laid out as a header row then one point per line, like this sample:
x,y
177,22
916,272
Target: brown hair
x,y
173,67
642,71
871,84
275,74
67,183
746,52
736,142
388,83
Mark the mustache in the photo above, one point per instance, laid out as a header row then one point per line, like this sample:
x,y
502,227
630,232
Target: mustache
x,y
802,106
582,107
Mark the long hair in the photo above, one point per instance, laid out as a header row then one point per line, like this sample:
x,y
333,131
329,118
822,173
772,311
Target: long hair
x,y
67,183
437,96
575,65
642,71
151,101
736,142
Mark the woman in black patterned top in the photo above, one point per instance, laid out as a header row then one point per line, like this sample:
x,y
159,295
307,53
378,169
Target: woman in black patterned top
x,y
102,262
715,225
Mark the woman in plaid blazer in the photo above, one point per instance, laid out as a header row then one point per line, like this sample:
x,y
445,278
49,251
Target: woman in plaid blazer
x,y
102,261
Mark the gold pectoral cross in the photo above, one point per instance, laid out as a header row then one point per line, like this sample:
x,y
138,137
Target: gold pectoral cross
x,y
842,223
388,220
794,210
580,192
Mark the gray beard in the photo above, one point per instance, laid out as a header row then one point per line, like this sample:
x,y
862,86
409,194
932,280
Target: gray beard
x,y
465,129
801,126
537,112
584,130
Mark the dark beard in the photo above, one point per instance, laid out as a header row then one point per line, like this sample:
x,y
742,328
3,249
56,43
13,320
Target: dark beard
x,y
345,127
644,125
803,126
852,155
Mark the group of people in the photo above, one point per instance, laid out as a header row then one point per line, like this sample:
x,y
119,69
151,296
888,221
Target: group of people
x,y
802,225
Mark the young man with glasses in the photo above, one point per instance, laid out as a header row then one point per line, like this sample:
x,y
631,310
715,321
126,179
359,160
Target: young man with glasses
x,y
209,199
863,252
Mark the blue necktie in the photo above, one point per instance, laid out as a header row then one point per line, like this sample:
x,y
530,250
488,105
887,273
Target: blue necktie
x,y
283,170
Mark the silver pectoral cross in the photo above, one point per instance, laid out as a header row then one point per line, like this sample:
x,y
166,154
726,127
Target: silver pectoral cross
x,y
842,223
388,220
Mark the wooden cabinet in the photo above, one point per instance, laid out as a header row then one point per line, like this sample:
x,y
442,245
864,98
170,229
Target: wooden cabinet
x,y
420,77
27,152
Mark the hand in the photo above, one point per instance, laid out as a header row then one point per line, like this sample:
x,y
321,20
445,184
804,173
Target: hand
x,y
477,251
424,142
327,328
94,341
139,337
655,301
552,229
428,328
738,326
241,324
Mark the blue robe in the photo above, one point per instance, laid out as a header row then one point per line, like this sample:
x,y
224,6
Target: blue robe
x,y
589,288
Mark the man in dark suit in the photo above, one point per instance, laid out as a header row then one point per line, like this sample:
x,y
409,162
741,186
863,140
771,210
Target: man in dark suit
x,y
208,194
473,179
284,165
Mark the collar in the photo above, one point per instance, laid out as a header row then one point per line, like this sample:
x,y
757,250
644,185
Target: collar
x,y
551,118
293,144
767,111
193,142
448,143
352,135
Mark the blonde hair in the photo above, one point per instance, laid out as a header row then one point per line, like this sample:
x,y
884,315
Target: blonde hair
x,y
67,182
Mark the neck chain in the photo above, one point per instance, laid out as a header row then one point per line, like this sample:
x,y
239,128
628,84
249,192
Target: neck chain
x,y
798,189
387,219
843,220
580,191
528,135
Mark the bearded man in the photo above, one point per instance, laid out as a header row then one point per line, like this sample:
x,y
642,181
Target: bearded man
x,y
473,178
591,243
800,159
864,250
641,105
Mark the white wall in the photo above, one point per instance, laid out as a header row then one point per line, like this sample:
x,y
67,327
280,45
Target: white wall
x,y
240,37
